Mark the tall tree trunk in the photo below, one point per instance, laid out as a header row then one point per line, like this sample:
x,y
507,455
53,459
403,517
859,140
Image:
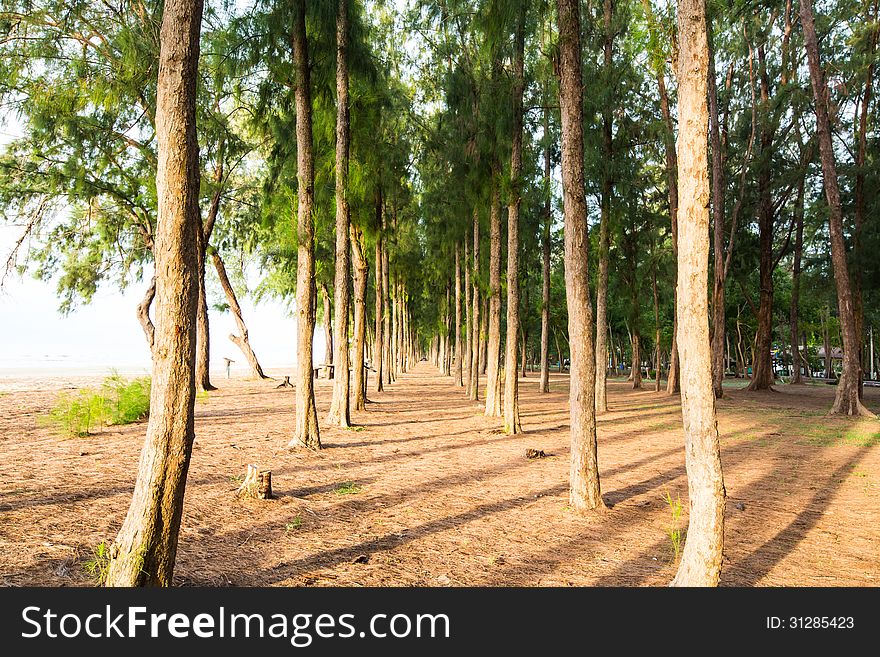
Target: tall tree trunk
x,y
340,414
718,187
846,400
544,385
484,335
379,348
386,311
658,367
145,549
605,212
306,432
859,191
796,360
203,333
361,272
493,345
512,422
585,490
459,367
474,386
241,340
701,559
468,349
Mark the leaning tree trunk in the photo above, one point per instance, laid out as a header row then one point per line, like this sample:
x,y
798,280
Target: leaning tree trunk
x,y
306,433
605,215
459,368
143,314
846,400
493,344
241,340
585,490
701,559
340,414
144,551
474,375
512,423
361,270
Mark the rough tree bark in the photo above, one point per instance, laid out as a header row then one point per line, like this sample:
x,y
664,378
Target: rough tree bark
x,y
701,559
512,423
144,551
718,187
241,340
306,432
846,400
585,493
340,414
361,271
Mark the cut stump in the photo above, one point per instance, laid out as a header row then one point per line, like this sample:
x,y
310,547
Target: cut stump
x,y
257,484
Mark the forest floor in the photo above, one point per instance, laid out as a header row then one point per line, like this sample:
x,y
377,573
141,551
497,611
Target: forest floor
x,y
429,492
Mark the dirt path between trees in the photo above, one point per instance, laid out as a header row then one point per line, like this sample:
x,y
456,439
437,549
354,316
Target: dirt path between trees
x,y
428,492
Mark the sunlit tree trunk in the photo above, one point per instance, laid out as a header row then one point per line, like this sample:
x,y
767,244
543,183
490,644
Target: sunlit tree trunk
x,y
846,400
701,559
585,491
306,433
459,348
145,549
340,414
544,384
379,348
361,272
493,344
468,351
511,380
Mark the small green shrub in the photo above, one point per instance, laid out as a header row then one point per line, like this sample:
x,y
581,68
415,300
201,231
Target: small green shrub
x,y
118,401
97,567
348,488
674,532
127,401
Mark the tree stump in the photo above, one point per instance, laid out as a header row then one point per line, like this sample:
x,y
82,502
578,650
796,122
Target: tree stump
x,y
257,484
286,383
535,454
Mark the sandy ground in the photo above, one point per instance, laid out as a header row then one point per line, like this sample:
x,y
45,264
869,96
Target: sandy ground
x,y
427,491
